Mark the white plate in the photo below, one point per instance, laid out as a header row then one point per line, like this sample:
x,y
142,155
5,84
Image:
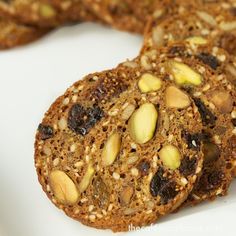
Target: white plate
x,y
31,78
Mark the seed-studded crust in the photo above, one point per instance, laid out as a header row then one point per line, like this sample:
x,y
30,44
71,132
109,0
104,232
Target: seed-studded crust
x,y
215,98
118,14
212,23
43,13
12,34
220,31
92,136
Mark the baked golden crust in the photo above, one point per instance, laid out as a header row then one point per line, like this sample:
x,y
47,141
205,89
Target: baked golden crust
x,y
12,34
43,13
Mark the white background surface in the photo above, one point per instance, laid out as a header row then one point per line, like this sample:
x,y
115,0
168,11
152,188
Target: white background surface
x,y
30,80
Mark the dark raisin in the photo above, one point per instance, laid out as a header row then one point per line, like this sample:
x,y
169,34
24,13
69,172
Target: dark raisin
x,y
168,192
108,88
177,51
188,166
232,142
163,187
193,140
211,152
100,192
210,181
45,131
233,11
209,60
81,120
144,167
215,179
227,41
234,122
207,117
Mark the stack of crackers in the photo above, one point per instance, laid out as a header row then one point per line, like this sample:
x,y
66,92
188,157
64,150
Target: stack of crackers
x,y
124,147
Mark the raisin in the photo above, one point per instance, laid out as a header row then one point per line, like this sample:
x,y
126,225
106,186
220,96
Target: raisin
x,y
188,166
81,120
234,122
100,192
210,180
215,178
45,131
227,42
177,51
232,142
209,60
207,117
108,88
233,11
193,140
163,187
144,167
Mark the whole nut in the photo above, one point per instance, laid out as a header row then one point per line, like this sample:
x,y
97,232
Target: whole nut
x,y
111,149
223,101
197,40
63,187
183,74
126,195
175,98
149,83
143,122
170,157
87,178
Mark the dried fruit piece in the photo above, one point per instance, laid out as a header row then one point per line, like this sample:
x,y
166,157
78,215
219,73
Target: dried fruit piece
x,y
209,59
126,195
178,50
143,122
107,88
210,180
188,166
183,74
45,131
81,120
193,140
206,115
63,187
223,101
175,98
163,187
144,167
197,40
227,41
111,149
87,178
211,152
100,192
149,83
170,157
